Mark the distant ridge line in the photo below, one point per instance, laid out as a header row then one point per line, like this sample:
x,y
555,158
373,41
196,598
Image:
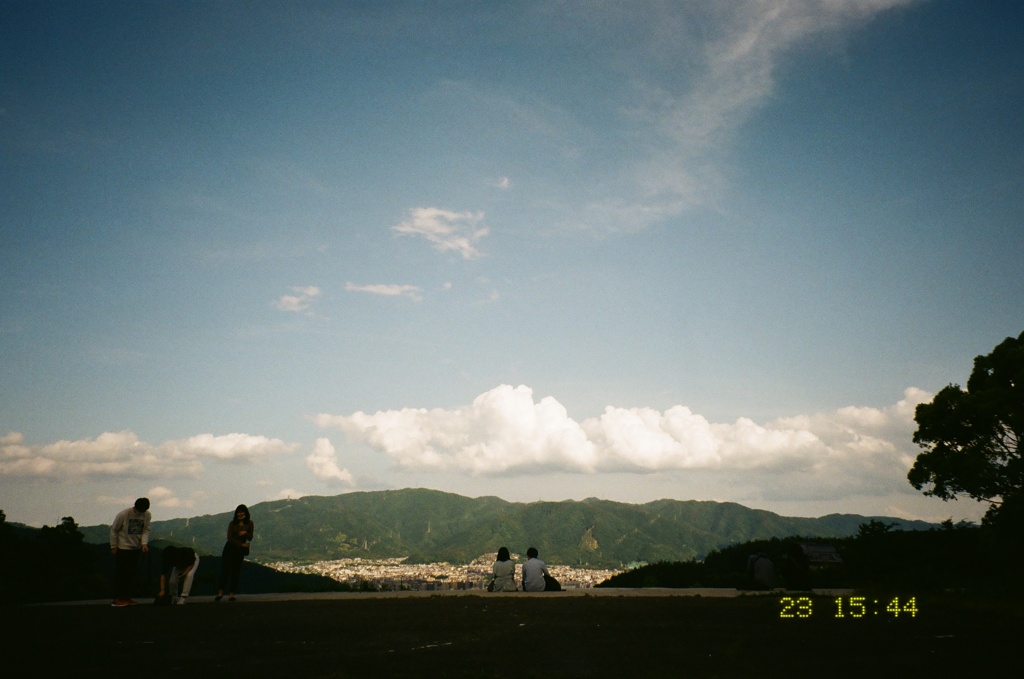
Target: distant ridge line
x,y
427,526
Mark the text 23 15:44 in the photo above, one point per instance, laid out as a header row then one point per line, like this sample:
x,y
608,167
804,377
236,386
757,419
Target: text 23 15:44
x,y
850,607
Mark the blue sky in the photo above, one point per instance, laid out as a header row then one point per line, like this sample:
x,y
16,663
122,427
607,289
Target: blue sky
x,y
541,250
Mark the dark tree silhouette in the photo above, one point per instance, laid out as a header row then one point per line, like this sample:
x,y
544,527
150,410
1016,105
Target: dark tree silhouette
x,y
971,437
49,564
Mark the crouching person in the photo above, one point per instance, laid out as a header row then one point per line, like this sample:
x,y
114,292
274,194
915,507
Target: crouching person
x,y
178,567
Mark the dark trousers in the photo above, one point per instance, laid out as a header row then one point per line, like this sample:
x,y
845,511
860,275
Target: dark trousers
x,y
126,566
230,568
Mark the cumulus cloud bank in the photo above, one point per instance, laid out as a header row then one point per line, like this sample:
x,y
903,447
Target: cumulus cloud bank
x,y
323,462
122,454
445,230
505,431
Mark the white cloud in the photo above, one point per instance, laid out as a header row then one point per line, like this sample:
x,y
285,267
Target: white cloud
x,y
503,183
387,290
323,462
161,496
300,301
504,431
229,447
645,439
445,230
122,454
11,438
109,454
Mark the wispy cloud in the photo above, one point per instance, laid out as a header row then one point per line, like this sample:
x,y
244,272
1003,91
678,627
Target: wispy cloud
x,y
445,230
701,72
505,432
300,301
388,290
122,454
734,68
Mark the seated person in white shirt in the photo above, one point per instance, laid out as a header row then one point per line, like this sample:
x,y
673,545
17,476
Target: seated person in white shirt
x,y
534,571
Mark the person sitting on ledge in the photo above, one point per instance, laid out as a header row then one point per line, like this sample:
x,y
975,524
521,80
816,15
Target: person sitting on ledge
x,y
504,573
534,571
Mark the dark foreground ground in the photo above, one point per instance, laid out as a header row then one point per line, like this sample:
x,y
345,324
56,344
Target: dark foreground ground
x,y
510,636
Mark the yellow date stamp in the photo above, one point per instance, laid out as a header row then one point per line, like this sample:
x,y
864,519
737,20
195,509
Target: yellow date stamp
x,y
855,607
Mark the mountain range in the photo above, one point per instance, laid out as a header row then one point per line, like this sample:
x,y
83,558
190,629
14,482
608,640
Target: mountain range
x,y
432,526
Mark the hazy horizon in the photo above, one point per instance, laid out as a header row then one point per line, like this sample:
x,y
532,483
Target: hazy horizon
x,y
228,511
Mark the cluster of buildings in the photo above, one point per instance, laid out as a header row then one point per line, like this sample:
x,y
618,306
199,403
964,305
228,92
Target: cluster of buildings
x,y
394,574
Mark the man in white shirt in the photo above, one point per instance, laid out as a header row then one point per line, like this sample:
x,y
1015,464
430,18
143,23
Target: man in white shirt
x,y
534,571
129,540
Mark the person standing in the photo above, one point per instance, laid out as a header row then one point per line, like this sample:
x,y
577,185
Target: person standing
x,y
129,540
534,571
240,532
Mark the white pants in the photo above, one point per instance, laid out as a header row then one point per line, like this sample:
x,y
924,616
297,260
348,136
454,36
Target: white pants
x,y
172,582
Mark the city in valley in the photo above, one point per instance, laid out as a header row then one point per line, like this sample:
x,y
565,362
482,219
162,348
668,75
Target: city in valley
x,y
395,574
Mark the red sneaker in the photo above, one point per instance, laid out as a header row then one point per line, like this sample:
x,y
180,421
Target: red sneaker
x,y
121,602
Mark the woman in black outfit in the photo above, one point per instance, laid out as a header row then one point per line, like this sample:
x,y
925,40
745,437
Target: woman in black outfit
x,y
235,550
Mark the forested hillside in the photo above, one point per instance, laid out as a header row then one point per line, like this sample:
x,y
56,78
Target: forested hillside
x,y
428,525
